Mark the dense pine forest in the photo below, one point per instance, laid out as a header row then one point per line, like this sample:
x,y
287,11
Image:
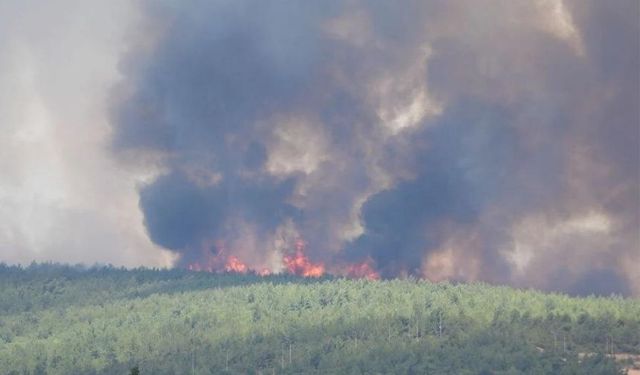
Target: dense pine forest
x,y
103,320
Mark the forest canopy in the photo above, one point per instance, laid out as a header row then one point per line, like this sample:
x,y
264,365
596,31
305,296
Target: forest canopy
x,y
58,319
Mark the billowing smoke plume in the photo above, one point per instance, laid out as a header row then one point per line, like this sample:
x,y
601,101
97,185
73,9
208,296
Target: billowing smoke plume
x,y
459,140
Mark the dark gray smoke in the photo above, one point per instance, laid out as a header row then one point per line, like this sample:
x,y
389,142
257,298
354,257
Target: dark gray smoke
x,y
461,140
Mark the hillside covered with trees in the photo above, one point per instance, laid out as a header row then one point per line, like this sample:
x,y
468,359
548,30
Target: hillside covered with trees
x,y
103,320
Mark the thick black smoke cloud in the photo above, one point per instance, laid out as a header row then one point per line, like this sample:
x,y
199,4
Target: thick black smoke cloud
x,y
463,171
456,140
179,214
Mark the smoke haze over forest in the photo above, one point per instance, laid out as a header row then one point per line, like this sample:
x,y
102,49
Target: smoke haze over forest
x,y
463,140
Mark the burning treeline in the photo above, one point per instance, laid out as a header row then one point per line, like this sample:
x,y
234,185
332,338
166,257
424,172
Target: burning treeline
x,y
294,262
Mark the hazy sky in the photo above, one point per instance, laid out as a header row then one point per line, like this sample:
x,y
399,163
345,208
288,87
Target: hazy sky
x,y
467,140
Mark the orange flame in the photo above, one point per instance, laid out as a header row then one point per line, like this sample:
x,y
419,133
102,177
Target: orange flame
x,y
299,264
264,272
218,261
362,270
235,265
